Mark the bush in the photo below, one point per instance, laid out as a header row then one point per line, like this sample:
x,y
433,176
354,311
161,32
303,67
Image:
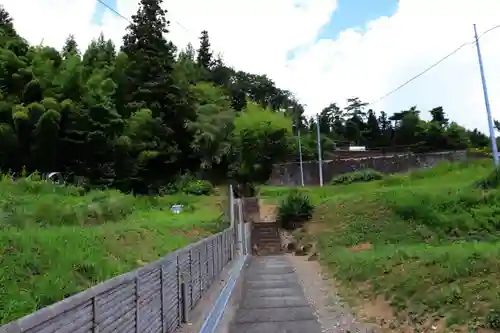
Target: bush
x,y
491,181
365,175
199,187
188,184
493,319
294,209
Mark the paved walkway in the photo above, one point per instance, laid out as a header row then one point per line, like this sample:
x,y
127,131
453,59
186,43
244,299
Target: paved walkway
x,y
273,300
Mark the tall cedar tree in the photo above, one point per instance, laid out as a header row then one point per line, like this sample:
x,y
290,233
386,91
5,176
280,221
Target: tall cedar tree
x,y
204,57
6,22
70,47
152,85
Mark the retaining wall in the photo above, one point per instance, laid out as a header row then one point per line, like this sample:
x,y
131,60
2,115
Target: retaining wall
x,y
288,174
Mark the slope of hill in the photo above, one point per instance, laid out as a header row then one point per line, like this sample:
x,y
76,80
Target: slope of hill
x,y
56,241
423,245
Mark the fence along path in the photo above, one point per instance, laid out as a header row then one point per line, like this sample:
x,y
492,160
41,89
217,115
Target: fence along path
x,y
154,298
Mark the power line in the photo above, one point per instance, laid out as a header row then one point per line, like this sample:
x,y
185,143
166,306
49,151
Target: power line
x,y
128,20
114,11
432,66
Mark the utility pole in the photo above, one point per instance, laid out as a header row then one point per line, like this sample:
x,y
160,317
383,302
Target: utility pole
x,y
300,158
320,159
301,165
494,147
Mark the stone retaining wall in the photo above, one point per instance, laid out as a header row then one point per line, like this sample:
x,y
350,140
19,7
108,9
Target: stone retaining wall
x,y
288,174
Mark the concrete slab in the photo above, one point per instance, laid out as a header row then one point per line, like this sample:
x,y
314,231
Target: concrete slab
x,y
273,302
274,315
262,292
271,270
270,277
270,284
306,326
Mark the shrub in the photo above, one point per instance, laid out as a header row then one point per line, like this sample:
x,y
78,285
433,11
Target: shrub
x,y
294,209
493,319
365,175
491,181
188,184
198,187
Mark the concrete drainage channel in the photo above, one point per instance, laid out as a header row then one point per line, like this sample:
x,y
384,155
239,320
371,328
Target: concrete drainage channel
x,y
213,319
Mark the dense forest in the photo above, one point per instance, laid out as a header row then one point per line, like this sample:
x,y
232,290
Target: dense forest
x,y
139,116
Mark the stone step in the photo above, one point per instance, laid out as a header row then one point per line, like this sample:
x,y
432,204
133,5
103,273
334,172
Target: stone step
x,y
262,235
274,315
265,234
306,326
268,241
266,302
273,229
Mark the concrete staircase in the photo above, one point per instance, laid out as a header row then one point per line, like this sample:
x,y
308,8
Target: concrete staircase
x,y
266,238
272,300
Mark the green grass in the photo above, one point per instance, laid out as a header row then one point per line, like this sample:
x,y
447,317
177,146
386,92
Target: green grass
x,y
56,241
434,242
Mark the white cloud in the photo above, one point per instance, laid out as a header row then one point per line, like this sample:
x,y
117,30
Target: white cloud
x,y
391,50
257,36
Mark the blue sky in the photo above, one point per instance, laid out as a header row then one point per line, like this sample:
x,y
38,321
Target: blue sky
x,y
100,8
349,14
355,14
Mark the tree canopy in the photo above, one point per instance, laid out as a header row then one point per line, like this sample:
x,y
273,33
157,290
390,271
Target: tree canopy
x,y
137,117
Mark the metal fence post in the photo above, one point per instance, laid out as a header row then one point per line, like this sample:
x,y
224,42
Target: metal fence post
x,y
163,305
231,205
216,253
241,229
180,301
205,280
191,278
184,297
200,272
222,251
137,304
95,327
212,271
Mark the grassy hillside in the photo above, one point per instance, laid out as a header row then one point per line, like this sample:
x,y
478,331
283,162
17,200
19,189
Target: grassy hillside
x,y
426,242
56,241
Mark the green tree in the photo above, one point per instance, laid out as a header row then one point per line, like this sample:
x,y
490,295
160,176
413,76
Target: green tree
x,y
152,85
260,139
70,47
204,57
373,132
213,125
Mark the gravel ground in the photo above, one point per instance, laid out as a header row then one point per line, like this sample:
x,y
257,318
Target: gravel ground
x,y
333,316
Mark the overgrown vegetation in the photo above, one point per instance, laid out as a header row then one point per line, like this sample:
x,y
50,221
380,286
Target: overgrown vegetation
x,y
295,209
58,240
426,241
364,175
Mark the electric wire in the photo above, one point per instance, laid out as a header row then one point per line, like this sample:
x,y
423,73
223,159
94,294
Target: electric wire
x,y
432,66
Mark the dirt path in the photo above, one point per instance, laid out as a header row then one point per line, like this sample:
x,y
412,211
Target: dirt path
x,y
333,316
267,212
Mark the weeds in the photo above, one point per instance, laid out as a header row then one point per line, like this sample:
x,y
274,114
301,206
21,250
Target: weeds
x,y
365,175
434,240
294,209
58,240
